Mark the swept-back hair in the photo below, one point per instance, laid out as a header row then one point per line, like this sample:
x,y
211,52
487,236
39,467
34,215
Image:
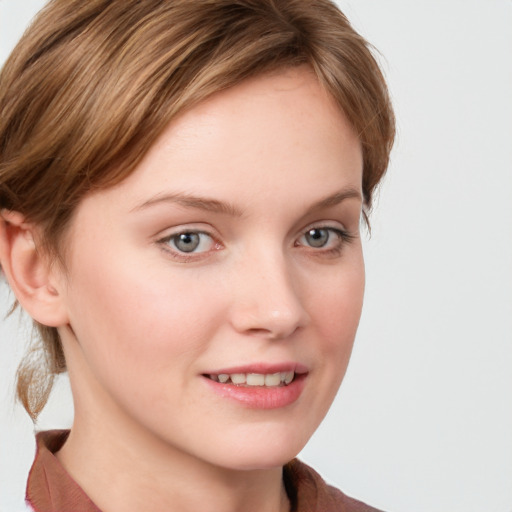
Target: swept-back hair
x,y
92,85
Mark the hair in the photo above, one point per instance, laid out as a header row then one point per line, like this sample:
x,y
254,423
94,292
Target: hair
x,y
91,86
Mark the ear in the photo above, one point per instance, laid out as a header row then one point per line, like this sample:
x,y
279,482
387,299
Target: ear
x,y
35,283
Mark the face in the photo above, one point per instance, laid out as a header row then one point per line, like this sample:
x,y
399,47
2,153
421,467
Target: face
x,y
213,296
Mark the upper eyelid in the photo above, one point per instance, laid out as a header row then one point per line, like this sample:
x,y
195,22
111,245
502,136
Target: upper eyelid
x,y
165,237
345,235
332,224
164,243
177,230
187,232
336,230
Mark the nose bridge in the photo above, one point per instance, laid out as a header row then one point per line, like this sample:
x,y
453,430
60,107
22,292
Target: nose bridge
x,y
268,301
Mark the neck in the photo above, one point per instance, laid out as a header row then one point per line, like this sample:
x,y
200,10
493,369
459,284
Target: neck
x,y
121,468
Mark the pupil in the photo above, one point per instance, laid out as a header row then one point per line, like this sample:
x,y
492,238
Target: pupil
x,y
187,242
317,237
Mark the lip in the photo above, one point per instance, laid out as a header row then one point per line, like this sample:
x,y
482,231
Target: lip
x,y
298,368
259,397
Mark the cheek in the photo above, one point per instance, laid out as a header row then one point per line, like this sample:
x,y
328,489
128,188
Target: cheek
x,y
337,308
134,323
336,312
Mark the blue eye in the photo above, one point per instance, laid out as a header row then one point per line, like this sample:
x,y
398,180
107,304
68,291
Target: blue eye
x,y
317,237
191,241
324,241
322,238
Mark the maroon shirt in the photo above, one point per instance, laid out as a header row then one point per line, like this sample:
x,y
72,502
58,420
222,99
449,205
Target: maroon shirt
x,y
51,489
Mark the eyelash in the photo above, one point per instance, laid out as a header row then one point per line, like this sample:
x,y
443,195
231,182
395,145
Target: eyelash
x,y
343,237
183,256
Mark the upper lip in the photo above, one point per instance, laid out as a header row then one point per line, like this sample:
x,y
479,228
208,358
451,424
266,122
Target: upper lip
x,y
262,368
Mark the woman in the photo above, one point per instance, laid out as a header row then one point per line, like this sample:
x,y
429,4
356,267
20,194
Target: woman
x,y
181,188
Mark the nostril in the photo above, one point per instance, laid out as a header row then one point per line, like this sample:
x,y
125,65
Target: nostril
x,y
273,323
268,304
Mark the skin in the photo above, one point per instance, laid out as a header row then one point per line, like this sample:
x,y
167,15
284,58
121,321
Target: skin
x,y
142,322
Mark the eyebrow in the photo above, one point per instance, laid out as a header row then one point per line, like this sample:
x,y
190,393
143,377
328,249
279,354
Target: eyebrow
x,y
334,199
189,201
227,208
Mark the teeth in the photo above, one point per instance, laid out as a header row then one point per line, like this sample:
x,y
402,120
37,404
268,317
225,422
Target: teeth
x,y
273,379
238,378
255,379
288,377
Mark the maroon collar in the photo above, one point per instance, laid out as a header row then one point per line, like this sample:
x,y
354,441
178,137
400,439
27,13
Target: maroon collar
x,y
51,489
49,486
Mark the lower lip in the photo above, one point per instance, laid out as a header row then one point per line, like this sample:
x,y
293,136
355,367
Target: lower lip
x,y
259,397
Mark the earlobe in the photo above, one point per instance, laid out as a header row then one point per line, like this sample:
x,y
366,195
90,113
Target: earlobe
x,y
28,271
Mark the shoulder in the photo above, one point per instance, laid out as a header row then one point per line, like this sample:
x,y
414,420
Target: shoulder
x,y
308,492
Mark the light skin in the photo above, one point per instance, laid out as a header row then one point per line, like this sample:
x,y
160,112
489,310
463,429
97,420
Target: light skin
x,y
263,183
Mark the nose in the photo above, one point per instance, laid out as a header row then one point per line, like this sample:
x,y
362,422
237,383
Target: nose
x,y
266,301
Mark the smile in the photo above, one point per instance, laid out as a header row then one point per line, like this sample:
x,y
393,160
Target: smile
x,y
259,386
270,380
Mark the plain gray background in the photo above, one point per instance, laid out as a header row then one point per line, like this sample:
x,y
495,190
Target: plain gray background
x,y
423,421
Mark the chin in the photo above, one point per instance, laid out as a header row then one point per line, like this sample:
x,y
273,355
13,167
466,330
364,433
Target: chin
x,y
261,461
266,451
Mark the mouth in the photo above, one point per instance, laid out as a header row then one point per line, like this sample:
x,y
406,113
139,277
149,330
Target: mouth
x,y
259,386
267,380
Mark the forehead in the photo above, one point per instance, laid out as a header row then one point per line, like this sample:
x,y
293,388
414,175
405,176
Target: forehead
x,y
266,102
264,134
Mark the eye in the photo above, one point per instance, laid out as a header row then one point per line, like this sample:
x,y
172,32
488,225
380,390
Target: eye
x,y
190,242
322,238
317,237
324,241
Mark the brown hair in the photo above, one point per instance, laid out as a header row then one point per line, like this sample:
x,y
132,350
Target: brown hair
x,y
91,86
